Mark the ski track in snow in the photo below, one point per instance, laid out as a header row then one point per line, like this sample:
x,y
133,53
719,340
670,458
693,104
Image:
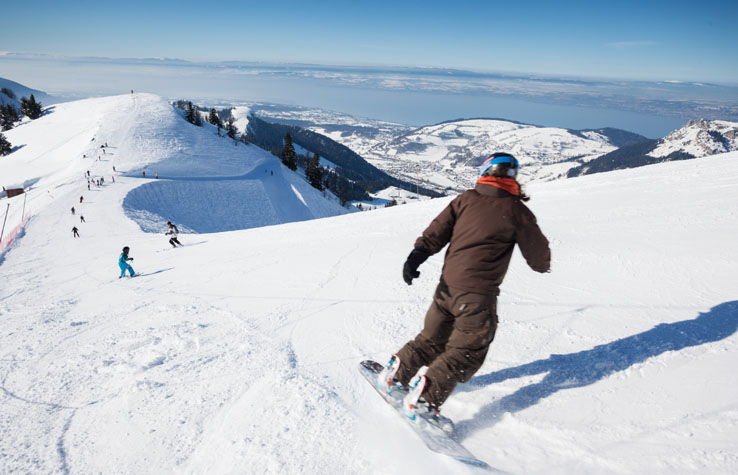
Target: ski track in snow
x,y
239,354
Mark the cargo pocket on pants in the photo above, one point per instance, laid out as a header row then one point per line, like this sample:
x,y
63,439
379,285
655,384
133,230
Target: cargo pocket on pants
x,y
475,322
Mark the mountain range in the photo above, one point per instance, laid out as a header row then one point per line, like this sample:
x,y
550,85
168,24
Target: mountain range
x,y
444,156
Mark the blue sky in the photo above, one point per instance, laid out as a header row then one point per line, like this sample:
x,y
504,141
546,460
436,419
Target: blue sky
x,y
651,40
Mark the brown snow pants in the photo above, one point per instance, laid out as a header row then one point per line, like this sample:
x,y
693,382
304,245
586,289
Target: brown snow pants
x,y
458,330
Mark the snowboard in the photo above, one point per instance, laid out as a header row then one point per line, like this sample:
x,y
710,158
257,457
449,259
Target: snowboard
x,y
434,437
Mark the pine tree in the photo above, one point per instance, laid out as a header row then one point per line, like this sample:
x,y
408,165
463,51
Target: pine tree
x,y
31,108
309,168
198,118
8,117
231,129
341,187
190,113
214,119
5,147
316,172
288,155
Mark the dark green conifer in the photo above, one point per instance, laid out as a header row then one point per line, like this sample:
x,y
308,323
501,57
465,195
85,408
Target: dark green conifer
x,y
5,146
31,108
288,155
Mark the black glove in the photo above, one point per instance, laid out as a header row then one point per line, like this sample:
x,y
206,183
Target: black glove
x,y
410,269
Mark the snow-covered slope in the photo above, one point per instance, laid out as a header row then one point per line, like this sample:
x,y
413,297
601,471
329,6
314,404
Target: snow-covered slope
x,y
237,353
205,182
699,138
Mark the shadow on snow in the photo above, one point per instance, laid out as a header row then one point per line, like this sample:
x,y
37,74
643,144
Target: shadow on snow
x,y
586,367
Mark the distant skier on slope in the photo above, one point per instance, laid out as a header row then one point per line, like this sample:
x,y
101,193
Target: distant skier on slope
x,y
481,227
174,232
72,210
123,263
74,232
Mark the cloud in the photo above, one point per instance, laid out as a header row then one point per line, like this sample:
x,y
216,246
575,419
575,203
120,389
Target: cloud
x,y
632,44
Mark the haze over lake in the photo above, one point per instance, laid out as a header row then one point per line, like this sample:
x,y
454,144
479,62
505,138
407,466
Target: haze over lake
x,y
413,96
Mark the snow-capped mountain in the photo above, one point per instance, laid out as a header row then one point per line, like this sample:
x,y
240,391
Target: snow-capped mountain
x,y
447,155
699,138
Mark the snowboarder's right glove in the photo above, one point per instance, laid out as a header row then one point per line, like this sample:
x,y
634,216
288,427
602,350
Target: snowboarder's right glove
x,y
410,269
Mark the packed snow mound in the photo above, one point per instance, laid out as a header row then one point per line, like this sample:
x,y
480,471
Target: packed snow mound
x,y
700,138
174,170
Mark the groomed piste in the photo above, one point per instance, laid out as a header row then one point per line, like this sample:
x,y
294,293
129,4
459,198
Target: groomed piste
x,y
237,353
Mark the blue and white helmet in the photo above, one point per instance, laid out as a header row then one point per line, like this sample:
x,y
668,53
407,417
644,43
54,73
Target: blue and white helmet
x,y
500,164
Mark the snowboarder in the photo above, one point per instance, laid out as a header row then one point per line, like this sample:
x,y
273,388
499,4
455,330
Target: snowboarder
x,y
173,231
74,232
481,226
72,210
123,263
81,219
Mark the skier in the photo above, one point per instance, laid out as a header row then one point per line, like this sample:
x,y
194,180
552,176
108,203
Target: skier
x,y
81,198
173,231
81,219
72,210
481,226
74,232
123,263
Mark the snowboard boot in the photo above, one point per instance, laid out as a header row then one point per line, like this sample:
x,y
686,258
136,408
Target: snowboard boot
x,y
414,407
386,379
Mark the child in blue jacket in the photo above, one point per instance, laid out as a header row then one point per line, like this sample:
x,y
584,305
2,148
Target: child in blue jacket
x,y
123,263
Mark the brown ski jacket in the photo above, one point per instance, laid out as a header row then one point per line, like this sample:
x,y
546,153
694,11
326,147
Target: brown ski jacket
x,y
481,227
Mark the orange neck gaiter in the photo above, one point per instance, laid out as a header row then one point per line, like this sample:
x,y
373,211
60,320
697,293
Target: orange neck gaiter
x,y
507,184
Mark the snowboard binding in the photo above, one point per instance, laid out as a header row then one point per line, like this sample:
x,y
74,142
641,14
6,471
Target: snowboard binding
x,y
386,379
